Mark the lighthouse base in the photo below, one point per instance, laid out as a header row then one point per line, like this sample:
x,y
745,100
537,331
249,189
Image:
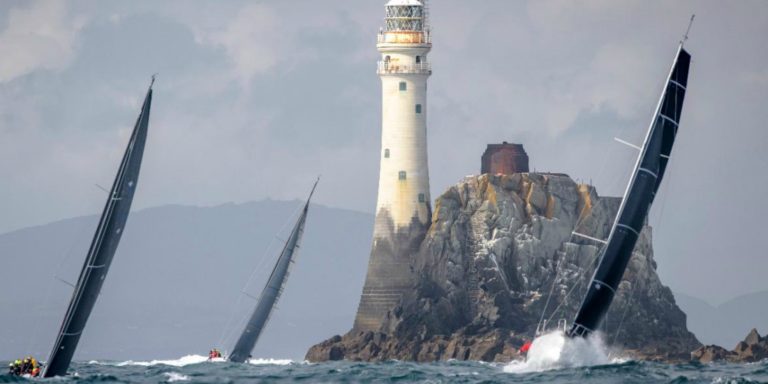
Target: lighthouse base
x,y
390,270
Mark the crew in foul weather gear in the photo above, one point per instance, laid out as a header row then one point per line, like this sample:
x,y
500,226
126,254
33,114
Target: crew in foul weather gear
x,y
214,354
28,366
526,347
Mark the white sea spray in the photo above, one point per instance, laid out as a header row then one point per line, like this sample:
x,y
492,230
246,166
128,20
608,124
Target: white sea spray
x,y
175,376
554,350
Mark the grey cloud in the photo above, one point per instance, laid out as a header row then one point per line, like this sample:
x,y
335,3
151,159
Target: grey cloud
x,y
38,35
255,99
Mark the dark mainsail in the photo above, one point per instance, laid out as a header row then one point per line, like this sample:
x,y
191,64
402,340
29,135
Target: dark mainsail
x,y
640,193
103,247
271,292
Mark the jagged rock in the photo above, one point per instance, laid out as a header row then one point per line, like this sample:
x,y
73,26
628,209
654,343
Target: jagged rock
x,y
496,247
753,348
752,338
710,353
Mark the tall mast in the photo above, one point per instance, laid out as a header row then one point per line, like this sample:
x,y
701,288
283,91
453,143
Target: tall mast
x,y
638,197
103,247
272,290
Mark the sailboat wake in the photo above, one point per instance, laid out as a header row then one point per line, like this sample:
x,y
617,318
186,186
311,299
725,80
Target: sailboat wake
x,y
191,360
554,350
181,362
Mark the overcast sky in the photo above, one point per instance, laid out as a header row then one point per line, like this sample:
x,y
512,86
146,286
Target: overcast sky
x,y
254,99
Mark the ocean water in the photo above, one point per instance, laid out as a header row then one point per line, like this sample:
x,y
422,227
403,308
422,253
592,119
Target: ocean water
x,y
279,371
553,358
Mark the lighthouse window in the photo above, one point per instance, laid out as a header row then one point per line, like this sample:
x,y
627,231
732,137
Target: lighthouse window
x,y
422,198
401,175
403,86
386,153
418,59
418,108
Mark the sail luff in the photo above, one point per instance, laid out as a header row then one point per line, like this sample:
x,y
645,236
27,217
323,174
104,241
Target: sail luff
x,y
271,292
648,135
102,248
641,190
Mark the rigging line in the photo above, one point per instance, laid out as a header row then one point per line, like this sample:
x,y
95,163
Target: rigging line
x,y
554,282
567,295
687,31
626,310
578,284
580,220
609,154
603,169
549,296
49,292
227,331
557,274
96,245
97,242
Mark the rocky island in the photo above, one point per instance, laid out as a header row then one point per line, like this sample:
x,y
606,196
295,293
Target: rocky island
x,y
497,246
752,349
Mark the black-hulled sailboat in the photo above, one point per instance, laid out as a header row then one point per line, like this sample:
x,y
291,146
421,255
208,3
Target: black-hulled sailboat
x,y
641,191
272,290
103,247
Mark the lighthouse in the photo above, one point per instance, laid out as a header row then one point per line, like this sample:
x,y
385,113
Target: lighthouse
x,y
403,210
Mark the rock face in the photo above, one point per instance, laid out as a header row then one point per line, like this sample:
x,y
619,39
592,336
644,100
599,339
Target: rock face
x,y
753,348
497,246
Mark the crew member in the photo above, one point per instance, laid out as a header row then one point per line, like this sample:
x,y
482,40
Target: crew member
x,y
526,347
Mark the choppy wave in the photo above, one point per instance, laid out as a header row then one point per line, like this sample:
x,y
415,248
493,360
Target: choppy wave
x,y
277,371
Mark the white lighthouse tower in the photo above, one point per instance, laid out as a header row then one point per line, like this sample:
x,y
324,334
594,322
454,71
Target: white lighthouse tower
x,y
403,210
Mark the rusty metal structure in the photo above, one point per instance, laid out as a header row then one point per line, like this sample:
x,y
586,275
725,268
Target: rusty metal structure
x,y
505,159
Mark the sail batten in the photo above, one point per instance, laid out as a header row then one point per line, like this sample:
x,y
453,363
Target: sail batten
x,y
102,248
272,291
641,190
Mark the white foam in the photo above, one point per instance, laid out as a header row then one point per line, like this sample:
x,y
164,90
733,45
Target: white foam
x,y
270,361
197,359
175,376
556,351
184,361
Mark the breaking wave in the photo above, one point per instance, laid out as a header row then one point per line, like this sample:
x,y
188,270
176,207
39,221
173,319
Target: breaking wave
x,y
181,362
270,361
175,376
191,360
556,351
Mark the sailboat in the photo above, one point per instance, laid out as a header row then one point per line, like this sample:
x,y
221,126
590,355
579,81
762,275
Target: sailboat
x,y
272,290
638,197
103,247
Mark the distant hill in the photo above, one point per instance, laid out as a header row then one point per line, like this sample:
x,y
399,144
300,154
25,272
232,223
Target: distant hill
x,y
727,323
176,279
